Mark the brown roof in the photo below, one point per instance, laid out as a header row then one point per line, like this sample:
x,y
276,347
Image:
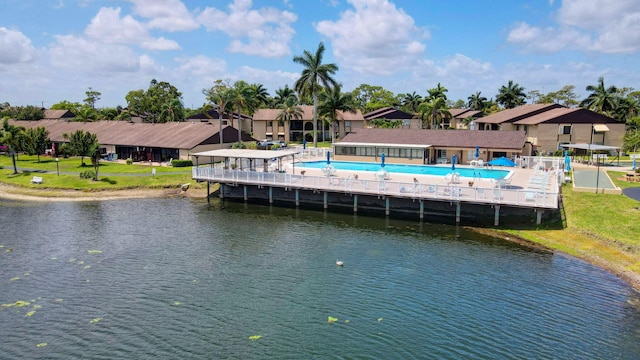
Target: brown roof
x,y
57,114
518,113
439,138
172,135
567,116
387,113
271,114
464,113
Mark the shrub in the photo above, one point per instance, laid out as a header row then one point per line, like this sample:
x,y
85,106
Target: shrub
x,y
129,161
88,174
181,163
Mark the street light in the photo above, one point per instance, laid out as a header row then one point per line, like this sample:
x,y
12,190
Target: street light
x,y
58,166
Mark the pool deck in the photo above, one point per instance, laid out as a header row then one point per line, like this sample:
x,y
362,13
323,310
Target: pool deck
x,y
527,188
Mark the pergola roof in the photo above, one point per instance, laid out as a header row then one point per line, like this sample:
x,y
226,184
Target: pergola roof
x,y
246,153
591,147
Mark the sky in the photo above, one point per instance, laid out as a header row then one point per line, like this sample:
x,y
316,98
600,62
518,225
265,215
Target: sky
x,y
55,50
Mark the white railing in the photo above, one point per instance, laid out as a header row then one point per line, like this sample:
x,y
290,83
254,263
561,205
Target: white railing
x,y
456,192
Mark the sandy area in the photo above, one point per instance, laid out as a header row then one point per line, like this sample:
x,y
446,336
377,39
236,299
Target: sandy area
x,y
44,194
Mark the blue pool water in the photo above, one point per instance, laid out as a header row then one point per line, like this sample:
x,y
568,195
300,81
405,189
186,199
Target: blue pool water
x,y
408,169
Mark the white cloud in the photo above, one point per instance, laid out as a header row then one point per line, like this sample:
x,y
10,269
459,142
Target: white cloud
x,y
107,27
264,32
81,54
15,47
608,26
169,15
374,37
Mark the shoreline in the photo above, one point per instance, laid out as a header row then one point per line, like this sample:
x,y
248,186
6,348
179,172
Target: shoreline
x,y
17,193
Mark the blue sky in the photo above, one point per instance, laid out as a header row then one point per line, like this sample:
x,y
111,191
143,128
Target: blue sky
x,y
54,50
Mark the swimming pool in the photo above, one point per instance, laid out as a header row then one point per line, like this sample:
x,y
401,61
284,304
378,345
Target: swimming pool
x,y
408,169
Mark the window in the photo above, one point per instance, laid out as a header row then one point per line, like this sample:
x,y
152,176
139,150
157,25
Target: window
x,y
565,130
441,154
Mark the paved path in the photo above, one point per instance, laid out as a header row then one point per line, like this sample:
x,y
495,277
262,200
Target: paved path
x,y
633,192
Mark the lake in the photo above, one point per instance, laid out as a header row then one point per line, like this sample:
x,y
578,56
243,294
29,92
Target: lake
x,y
178,279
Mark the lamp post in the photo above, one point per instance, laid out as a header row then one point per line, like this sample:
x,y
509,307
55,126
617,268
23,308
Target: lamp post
x,y
58,166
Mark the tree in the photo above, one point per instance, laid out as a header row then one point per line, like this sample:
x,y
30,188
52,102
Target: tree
x,y
108,113
242,97
314,76
289,110
220,95
410,102
477,101
92,97
511,95
434,112
332,101
36,141
149,104
602,99
86,114
95,161
82,144
67,105
565,96
372,97
171,111
260,96
12,137
283,95
438,92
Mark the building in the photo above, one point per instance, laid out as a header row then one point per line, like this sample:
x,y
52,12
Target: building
x,y
58,115
237,120
550,126
429,146
388,113
265,125
462,118
144,141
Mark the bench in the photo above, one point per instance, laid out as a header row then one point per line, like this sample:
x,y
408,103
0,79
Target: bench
x,y
36,180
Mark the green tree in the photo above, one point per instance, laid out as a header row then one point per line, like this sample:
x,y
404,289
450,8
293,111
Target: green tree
x,y
283,95
221,95
333,100
289,110
81,144
171,111
86,114
12,137
149,104
385,123
36,141
108,113
242,97
511,95
410,102
95,161
438,92
565,96
67,105
372,97
434,112
601,99
92,97
477,101
314,76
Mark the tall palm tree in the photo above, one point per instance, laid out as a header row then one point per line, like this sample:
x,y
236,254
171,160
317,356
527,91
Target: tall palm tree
x,y
283,94
438,92
314,76
86,114
511,95
601,99
411,102
12,137
332,101
241,97
260,96
221,96
477,101
434,112
172,110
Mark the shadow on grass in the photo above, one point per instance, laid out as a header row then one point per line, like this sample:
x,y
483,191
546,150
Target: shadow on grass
x,y
107,181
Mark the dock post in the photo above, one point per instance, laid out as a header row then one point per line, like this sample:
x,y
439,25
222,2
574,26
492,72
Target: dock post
x,y
355,203
246,195
496,218
458,205
297,197
386,211
208,193
421,209
221,191
539,216
270,194
326,199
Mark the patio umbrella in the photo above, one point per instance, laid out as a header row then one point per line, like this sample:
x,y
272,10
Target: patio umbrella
x,y
567,161
328,157
453,162
304,144
502,161
382,163
477,154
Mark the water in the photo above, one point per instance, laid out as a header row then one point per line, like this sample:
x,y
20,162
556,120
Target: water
x,y
175,279
408,169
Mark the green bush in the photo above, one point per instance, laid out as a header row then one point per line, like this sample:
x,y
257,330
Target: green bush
x,y
129,161
181,163
88,174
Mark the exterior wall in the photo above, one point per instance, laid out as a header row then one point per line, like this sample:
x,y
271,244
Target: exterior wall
x,y
377,160
548,137
259,129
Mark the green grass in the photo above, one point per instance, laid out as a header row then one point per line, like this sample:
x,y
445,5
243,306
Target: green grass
x,y
111,175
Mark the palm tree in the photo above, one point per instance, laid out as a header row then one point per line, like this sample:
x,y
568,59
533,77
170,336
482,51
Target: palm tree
x,y
283,94
435,111
220,95
411,102
259,97
289,110
332,101
241,97
477,101
511,95
438,92
12,137
172,110
314,75
601,99
86,114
